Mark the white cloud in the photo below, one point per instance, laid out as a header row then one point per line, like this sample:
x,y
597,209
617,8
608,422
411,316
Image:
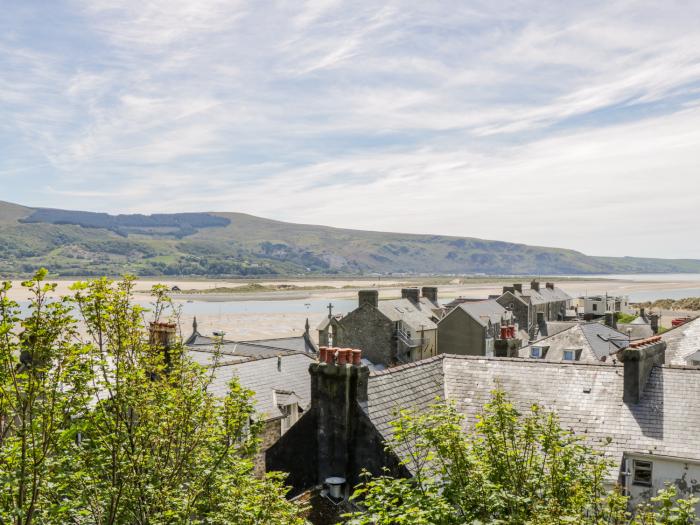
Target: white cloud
x,y
554,124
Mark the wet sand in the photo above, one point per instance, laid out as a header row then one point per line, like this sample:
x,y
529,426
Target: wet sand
x,y
243,326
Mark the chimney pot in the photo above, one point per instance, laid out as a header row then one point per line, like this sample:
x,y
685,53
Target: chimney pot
x,y
357,357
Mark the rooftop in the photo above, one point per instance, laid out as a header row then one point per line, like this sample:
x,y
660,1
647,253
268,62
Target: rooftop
x,y
274,381
682,342
586,396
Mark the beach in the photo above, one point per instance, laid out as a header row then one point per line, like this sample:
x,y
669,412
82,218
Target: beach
x,y
282,312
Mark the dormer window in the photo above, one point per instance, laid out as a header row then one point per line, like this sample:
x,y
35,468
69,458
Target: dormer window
x,y
536,352
569,355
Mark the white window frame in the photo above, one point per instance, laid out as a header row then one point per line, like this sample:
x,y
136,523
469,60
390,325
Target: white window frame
x,y
536,352
572,353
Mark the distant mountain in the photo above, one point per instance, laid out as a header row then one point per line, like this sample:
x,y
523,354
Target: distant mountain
x,y
75,243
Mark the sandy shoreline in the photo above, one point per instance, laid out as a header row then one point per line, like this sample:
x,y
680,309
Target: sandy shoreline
x,y
250,325
347,289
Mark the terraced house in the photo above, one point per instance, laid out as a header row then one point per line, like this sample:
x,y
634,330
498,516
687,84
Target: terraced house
x,y
389,332
637,410
535,306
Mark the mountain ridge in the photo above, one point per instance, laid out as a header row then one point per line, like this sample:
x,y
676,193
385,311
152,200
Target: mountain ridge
x,y
232,244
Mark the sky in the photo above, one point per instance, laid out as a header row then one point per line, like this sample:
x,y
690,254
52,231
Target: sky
x,y
568,124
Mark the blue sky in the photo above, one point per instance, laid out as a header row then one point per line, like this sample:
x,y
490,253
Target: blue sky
x,y
572,124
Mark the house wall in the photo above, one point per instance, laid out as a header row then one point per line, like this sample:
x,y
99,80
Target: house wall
x,y
683,474
270,433
371,331
459,333
521,311
429,347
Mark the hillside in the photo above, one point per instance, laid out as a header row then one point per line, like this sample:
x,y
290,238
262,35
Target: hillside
x,y
73,243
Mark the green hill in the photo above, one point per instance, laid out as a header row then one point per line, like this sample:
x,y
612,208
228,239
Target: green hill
x,y
74,243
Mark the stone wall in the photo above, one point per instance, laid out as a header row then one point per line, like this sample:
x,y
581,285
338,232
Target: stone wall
x,y
459,333
369,330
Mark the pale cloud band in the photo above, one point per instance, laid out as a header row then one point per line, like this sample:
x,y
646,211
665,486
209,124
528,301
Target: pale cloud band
x,y
551,123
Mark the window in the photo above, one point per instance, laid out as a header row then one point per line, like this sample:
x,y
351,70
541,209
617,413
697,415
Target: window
x,y
642,473
290,415
536,352
569,355
595,307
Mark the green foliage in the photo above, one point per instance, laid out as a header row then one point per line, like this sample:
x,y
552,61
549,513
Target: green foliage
x,y
624,318
512,468
105,425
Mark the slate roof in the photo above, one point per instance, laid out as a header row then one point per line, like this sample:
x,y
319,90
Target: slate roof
x,y
416,315
682,342
272,383
484,311
636,330
543,296
203,349
587,398
296,344
597,341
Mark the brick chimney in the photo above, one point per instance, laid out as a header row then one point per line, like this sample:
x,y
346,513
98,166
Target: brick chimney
x,y
535,285
412,294
518,287
550,286
161,337
338,384
370,297
430,293
638,359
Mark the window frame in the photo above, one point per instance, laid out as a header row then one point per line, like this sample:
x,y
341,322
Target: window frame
x,y
642,466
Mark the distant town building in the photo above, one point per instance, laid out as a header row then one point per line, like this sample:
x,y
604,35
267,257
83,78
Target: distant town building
x,y
535,305
475,328
389,332
592,306
583,342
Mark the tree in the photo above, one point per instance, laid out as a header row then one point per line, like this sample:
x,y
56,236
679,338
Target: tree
x,y
511,468
113,425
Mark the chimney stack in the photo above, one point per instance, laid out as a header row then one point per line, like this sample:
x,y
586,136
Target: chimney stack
x,y
412,294
161,337
430,293
638,359
338,384
654,323
518,287
370,297
550,286
535,285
